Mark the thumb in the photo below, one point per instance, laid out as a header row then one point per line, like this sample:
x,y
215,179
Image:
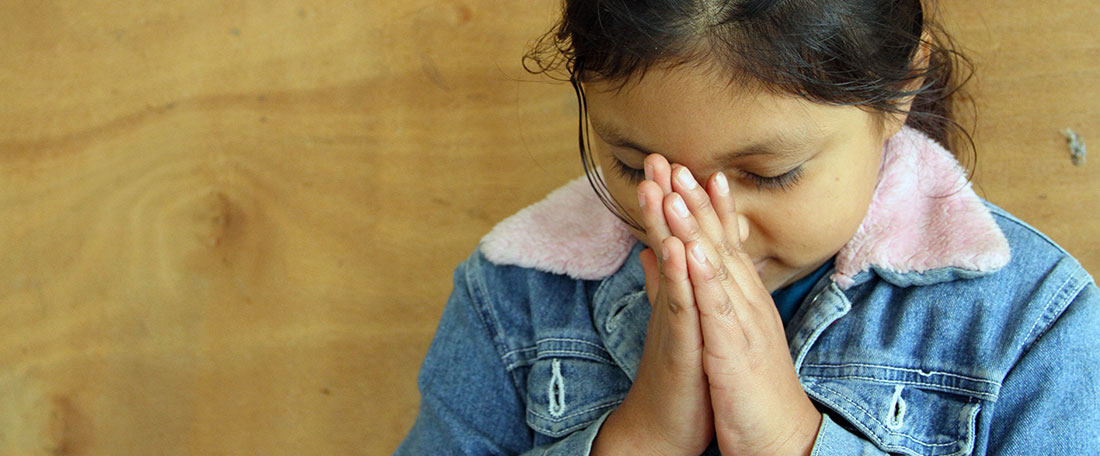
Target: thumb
x,y
652,273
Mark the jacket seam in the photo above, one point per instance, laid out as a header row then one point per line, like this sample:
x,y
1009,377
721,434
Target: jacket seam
x,y
1061,300
552,339
1000,213
528,362
904,369
569,429
1032,341
484,307
969,392
577,413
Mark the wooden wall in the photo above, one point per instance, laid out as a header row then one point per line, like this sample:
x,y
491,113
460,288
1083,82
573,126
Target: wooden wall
x,y
229,227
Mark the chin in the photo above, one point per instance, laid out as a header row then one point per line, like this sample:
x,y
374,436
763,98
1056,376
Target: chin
x,y
772,279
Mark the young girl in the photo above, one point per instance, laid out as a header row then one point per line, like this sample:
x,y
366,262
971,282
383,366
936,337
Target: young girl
x,y
792,263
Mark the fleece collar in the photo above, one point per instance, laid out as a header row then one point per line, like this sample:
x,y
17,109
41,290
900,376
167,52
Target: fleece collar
x,y
924,216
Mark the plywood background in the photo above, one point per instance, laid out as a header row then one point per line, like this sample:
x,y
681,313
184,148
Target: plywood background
x,y
229,227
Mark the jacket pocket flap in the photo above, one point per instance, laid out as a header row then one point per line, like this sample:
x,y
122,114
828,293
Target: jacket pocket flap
x,y
567,393
902,417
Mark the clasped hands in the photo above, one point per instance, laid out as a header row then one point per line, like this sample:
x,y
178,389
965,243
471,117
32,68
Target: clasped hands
x,y
716,361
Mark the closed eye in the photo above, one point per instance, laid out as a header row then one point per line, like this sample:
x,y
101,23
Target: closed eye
x,y
782,182
633,175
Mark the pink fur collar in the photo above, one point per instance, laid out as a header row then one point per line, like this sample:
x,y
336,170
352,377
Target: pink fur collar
x,y
923,216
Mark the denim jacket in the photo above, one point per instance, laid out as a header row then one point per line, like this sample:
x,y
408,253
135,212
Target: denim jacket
x,y
946,346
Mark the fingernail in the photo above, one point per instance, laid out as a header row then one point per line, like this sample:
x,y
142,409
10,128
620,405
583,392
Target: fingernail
x,y
679,207
664,253
685,178
722,184
697,252
648,171
641,200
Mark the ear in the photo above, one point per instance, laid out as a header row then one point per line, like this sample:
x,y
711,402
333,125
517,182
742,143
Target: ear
x,y
894,122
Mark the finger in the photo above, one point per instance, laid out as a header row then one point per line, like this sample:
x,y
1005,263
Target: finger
x,y
736,271
676,300
701,207
659,170
730,318
734,225
721,310
684,225
650,197
652,274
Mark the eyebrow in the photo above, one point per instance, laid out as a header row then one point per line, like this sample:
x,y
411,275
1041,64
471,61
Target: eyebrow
x,y
783,145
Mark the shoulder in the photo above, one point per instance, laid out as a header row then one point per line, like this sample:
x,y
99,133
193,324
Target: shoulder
x,y
983,323
1031,248
1042,279
1040,273
515,297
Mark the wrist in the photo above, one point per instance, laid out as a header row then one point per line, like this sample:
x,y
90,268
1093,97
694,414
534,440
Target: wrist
x,y
619,434
802,442
613,437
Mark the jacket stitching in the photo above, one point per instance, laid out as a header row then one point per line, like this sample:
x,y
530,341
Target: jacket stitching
x,y
484,307
570,428
840,307
1042,315
1069,289
548,353
553,339
904,369
980,394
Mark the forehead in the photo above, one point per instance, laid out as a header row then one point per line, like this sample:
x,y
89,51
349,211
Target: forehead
x,y
688,111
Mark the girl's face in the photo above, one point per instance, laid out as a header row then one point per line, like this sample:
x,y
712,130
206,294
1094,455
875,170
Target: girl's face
x,y
802,173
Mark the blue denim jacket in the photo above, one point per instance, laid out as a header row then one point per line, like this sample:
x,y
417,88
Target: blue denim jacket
x,y
1001,364
946,361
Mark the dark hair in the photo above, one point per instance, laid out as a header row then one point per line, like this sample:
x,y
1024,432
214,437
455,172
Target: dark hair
x,y
839,52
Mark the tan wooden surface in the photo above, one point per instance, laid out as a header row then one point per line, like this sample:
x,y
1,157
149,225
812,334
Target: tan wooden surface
x,y
229,227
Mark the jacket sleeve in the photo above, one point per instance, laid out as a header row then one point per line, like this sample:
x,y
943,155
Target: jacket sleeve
x,y
1047,403
469,402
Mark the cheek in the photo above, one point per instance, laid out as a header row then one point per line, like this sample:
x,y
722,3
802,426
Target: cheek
x,y
823,216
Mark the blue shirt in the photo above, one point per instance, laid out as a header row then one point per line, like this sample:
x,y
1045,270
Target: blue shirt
x,y
941,362
788,298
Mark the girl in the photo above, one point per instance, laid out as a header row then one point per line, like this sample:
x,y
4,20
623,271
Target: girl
x,y
792,263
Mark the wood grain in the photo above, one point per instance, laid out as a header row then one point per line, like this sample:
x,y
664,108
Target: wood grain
x,y
229,227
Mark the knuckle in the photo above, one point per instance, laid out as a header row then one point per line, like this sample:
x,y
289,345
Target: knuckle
x,y
703,204
726,250
675,305
693,230
723,307
721,275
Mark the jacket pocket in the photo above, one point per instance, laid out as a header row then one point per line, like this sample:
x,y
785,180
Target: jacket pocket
x,y
566,392
902,416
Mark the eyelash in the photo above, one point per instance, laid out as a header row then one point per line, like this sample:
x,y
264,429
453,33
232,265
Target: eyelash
x,y
782,182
